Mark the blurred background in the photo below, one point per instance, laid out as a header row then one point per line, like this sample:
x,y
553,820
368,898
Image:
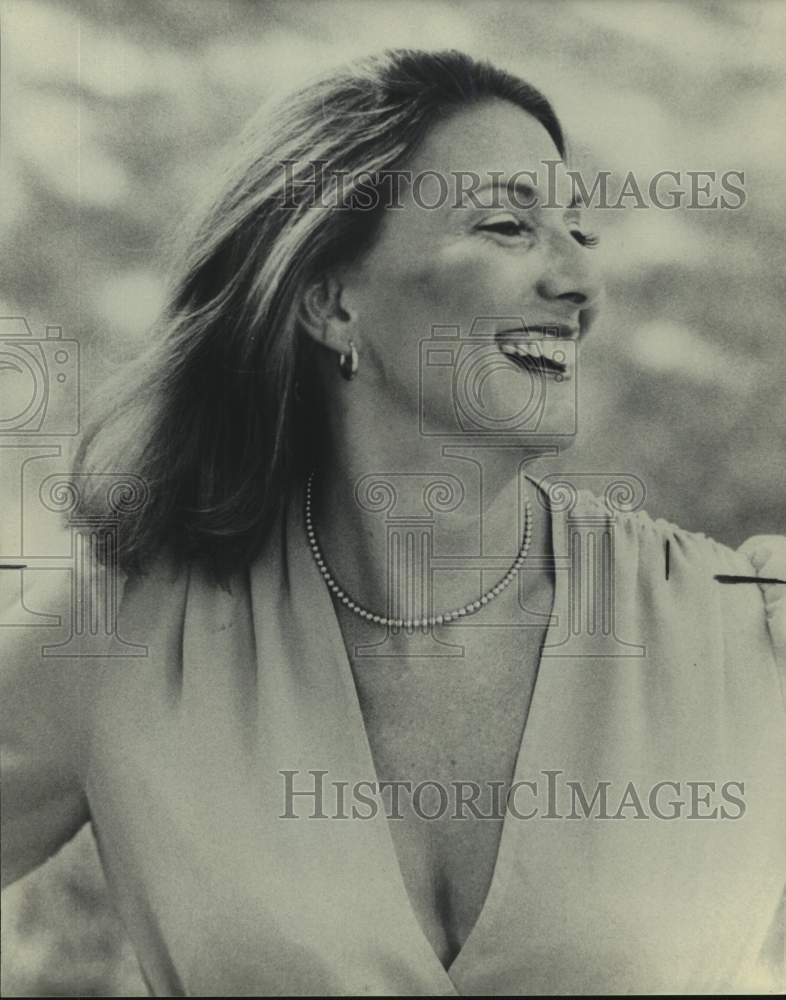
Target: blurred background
x,y
112,113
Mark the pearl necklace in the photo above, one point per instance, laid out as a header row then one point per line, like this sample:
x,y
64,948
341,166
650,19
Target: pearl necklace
x,y
448,616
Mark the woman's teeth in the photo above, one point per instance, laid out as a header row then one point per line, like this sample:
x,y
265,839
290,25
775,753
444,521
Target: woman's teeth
x,y
529,355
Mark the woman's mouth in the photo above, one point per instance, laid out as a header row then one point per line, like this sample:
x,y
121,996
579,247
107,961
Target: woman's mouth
x,y
536,356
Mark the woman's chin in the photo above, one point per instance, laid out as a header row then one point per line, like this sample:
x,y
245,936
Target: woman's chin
x,y
549,421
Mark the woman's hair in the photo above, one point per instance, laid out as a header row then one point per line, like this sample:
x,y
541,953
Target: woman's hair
x,y
209,417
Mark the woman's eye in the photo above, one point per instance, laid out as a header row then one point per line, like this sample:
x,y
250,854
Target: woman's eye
x,y
507,227
585,239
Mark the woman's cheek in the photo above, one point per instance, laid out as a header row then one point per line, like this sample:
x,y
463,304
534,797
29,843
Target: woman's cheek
x,y
454,287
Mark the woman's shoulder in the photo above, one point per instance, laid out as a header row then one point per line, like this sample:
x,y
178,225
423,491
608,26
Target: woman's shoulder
x,y
748,582
761,555
60,629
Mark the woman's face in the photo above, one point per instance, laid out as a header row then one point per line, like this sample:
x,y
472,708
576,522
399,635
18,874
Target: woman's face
x,y
468,313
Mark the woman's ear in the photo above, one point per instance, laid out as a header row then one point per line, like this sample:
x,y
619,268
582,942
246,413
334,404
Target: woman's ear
x,y
324,315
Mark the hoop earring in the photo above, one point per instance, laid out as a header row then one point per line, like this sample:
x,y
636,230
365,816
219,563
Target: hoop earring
x,y
348,362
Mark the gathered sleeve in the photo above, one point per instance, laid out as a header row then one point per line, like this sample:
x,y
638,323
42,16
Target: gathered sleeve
x,y
767,556
740,594
43,701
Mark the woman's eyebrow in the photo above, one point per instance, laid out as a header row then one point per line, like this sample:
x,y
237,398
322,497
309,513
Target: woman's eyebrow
x,y
526,194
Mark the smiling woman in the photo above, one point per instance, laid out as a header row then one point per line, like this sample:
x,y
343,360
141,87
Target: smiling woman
x,y
345,572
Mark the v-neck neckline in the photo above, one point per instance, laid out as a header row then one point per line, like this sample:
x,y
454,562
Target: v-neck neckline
x,y
358,732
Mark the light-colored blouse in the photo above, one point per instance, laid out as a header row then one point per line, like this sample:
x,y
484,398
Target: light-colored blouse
x,y
176,757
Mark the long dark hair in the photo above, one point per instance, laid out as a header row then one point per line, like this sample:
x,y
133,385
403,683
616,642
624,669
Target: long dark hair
x,y
207,416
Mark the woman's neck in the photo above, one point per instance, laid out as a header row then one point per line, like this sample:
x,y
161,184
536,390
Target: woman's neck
x,y
385,522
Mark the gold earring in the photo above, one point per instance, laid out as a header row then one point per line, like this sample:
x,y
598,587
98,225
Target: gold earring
x,y
348,362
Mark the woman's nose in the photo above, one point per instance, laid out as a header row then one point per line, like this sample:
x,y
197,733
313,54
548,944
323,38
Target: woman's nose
x,y
571,276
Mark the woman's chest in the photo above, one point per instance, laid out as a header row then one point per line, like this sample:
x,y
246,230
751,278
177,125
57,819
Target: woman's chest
x,y
445,734
238,882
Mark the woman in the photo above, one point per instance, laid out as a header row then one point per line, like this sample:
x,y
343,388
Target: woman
x,y
347,585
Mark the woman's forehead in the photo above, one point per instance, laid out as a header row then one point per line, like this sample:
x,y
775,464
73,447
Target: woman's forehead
x,y
492,151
